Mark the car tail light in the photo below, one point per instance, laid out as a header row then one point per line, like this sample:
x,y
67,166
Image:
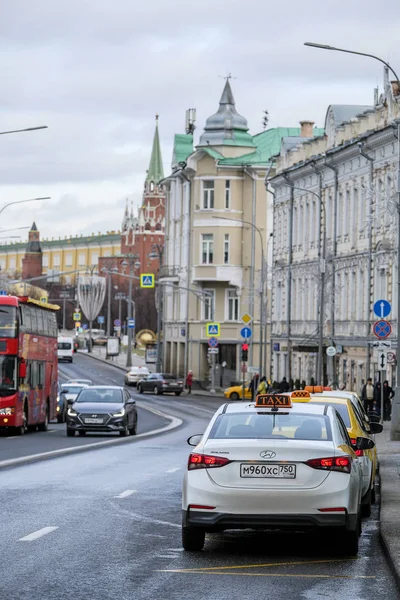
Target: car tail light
x,y
333,509
164,382
201,507
334,463
358,452
204,461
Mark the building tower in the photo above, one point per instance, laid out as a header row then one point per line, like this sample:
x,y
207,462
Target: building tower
x,y
32,261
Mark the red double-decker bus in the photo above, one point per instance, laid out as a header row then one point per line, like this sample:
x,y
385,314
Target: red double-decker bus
x,y
28,363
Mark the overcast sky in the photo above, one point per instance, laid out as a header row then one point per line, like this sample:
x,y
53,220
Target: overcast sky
x,y
97,71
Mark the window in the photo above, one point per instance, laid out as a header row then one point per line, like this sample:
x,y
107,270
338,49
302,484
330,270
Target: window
x,y
207,248
226,249
12,263
208,194
8,322
227,193
209,305
233,306
68,259
95,258
56,260
45,260
8,373
82,259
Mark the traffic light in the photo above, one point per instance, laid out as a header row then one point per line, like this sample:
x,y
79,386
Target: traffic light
x,y
245,352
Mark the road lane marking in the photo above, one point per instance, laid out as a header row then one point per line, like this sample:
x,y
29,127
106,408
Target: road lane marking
x,y
303,575
125,494
274,564
37,534
174,470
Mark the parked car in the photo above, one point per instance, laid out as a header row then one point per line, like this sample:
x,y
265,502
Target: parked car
x,y
160,383
79,381
135,375
103,408
234,392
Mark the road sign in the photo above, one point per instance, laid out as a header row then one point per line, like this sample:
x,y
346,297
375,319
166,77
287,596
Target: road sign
x,y
213,342
43,299
213,351
100,320
382,308
331,350
245,332
77,325
3,293
382,329
213,329
382,344
246,319
117,323
77,316
391,357
253,370
147,280
382,360
131,323
244,368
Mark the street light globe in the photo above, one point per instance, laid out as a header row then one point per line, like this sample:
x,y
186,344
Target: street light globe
x,y
137,264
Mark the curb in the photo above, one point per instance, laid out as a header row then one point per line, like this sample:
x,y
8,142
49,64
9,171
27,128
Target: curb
x,y
384,543
32,458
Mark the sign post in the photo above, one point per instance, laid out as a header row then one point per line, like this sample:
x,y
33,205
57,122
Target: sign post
x,y
212,373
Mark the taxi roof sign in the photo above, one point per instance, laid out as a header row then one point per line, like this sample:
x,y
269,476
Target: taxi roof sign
x,y
273,400
300,394
317,389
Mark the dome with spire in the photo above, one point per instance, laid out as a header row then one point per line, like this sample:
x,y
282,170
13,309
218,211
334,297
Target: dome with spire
x,y
226,126
155,171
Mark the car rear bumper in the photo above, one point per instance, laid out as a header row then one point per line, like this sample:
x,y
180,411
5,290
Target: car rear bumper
x,y
210,520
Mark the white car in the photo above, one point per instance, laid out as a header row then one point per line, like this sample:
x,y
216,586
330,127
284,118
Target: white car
x,y
260,466
136,374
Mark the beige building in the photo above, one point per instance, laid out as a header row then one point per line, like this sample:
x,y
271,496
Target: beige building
x,y
218,216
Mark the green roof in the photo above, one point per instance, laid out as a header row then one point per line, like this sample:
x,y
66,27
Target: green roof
x,y
155,172
268,144
183,147
86,240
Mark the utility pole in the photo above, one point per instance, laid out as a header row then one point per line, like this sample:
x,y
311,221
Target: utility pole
x,y
157,251
134,263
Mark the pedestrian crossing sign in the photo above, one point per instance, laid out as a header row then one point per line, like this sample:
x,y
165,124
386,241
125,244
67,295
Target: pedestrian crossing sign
x,y
213,329
147,280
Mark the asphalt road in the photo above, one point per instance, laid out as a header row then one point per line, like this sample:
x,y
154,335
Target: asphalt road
x,y
105,525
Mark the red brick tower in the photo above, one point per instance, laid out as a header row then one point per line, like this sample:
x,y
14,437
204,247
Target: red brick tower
x,y
32,261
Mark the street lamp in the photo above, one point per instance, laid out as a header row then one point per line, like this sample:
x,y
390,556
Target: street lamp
x,y
157,252
109,274
262,282
134,263
119,297
395,423
24,130
22,201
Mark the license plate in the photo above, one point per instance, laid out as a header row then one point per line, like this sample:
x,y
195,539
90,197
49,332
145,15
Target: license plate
x,y
94,421
269,471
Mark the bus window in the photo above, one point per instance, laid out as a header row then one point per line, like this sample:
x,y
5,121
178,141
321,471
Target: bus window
x,y
26,317
40,321
8,373
8,321
33,375
40,375
34,323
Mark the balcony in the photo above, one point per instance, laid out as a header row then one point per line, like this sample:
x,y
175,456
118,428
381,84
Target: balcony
x,y
167,272
223,273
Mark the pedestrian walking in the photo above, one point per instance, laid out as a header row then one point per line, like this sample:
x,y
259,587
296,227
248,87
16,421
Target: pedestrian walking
x,y
368,395
189,381
388,394
262,387
253,386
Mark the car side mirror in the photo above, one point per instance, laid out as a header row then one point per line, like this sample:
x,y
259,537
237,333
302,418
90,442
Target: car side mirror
x,y
194,439
364,443
373,417
70,402
131,401
375,427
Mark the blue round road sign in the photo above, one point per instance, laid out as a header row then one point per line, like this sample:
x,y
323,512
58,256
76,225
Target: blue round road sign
x,y
382,329
245,332
213,342
382,308
117,323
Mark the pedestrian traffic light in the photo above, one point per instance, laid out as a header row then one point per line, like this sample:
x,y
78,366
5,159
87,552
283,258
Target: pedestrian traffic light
x,y
245,352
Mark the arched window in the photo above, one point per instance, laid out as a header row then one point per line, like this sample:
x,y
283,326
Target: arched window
x,y
147,226
158,226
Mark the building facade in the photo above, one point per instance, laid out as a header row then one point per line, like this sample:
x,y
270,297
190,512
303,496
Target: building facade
x,y
335,216
217,229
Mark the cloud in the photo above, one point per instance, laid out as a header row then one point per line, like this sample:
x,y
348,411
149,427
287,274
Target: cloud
x,y
96,72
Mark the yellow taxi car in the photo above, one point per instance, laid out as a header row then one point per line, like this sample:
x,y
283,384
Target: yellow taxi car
x,y
356,429
235,392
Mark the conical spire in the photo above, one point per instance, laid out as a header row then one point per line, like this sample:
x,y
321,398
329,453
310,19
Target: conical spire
x,y
227,94
156,171
34,227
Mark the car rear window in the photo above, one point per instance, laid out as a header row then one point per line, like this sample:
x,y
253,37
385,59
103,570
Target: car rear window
x,y
270,426
64,345
72,389
343,412
104,396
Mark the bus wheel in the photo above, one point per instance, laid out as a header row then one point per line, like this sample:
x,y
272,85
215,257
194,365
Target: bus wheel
x,y
45,425
22,428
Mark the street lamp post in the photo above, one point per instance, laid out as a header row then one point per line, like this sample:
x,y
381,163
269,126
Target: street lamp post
x,y
158,253
24,130
109,274
23,201
133,262
119,297
395,423
260,360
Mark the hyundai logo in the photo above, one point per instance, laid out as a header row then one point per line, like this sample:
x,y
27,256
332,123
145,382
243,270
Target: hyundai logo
x,y
94,415
267,454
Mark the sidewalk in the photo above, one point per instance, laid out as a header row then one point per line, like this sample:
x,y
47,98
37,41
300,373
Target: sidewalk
x,y
389,461
99,353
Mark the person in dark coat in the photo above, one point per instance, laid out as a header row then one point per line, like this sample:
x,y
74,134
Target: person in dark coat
x,y
388,394
284,386
253,386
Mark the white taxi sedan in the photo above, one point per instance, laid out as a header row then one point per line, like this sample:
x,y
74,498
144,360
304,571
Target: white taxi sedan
x,y
273,465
